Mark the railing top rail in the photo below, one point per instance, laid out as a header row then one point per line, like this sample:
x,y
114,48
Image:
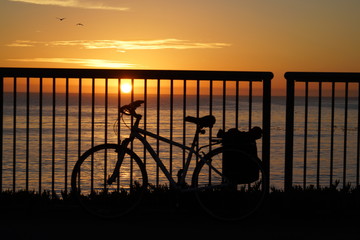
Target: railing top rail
x,y
135,74
323,76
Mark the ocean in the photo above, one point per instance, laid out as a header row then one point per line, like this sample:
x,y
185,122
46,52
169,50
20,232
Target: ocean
x,y
47,160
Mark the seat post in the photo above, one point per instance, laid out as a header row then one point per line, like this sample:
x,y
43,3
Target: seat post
x,y
182,174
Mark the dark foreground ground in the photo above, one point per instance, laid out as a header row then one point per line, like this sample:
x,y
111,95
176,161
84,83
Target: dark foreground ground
x,y
296,215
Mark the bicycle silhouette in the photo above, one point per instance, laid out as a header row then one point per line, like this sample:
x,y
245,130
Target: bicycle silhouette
x,y
111,193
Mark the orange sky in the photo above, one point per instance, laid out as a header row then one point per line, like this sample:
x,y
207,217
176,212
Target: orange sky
x,y
237,35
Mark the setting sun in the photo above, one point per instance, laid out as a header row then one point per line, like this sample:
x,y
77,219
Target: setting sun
x,y
126,87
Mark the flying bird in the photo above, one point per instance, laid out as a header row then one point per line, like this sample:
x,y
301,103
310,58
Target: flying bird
x,y
61,19
80,24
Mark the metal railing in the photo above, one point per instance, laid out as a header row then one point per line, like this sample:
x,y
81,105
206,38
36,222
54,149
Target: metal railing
x,y
50,116
322,129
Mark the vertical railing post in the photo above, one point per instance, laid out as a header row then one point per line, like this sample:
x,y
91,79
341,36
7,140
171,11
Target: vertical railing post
x,y
358,141
40,130
224,106
250,103
332,132
266,129
318,154
171,124
237,104
1,128
66,153
53,136
14,132
306,117
289,133
184,122
345,132
145,115
27,133
158,99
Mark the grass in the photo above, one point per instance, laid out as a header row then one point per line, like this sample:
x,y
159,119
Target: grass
x,y
311,200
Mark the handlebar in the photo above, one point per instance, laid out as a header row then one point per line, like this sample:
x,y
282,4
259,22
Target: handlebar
x,y
130,109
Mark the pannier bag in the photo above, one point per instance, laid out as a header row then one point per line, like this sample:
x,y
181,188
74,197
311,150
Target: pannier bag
x,y
238,165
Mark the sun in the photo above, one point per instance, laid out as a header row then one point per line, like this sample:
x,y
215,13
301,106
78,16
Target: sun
x,y
126,87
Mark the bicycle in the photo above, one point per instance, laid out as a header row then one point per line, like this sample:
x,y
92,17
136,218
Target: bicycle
x,y
119,193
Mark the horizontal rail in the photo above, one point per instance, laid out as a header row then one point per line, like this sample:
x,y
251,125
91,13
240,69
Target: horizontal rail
x,y
322,76
135,74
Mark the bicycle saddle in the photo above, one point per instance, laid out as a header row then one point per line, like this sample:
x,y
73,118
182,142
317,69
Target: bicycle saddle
x,y
206,121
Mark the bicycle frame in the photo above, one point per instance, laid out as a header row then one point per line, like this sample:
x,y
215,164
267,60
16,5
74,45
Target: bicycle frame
x,y
138,133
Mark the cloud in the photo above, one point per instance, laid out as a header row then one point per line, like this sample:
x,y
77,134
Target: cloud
x,y
21,43
98,63
149,44
86,4
122,46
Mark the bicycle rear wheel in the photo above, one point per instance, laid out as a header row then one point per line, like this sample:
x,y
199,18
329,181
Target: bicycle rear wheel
x,y
224,195
90,186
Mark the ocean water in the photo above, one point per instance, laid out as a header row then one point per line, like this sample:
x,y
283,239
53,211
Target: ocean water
x,y
47,160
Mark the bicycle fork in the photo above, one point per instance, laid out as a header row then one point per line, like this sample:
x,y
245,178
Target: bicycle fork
x,y
121,154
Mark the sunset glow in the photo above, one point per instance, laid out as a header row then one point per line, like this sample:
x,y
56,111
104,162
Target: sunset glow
x,y
126,87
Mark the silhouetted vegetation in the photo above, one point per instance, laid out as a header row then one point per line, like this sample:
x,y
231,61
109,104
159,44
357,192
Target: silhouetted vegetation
x,y
298,201
330,200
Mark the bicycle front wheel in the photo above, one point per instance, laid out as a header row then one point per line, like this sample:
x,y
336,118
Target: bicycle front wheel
x,y
90,186
231,184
